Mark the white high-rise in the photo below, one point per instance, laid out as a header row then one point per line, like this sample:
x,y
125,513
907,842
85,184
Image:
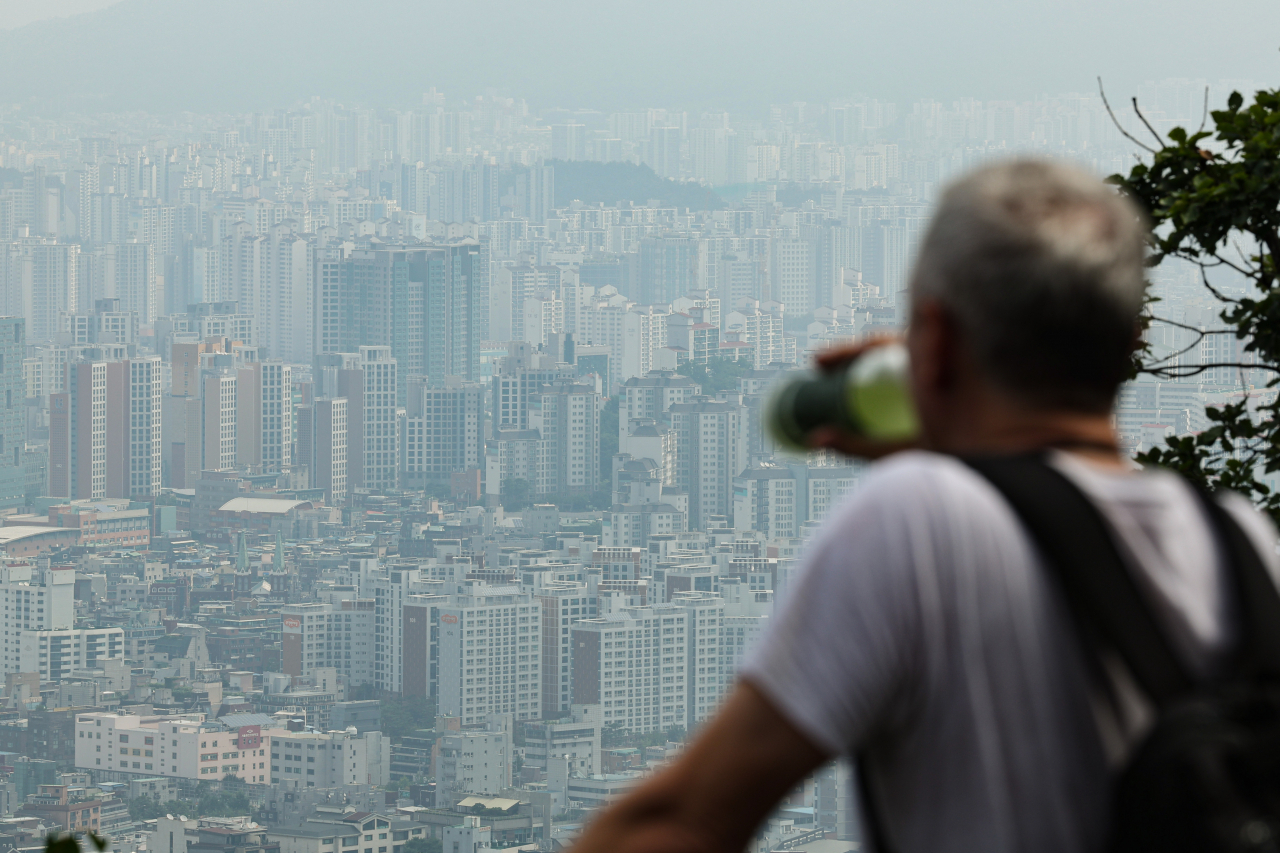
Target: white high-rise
x,y
34,600
489,652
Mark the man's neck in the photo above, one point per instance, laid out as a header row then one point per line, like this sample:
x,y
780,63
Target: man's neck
x,y
1000,427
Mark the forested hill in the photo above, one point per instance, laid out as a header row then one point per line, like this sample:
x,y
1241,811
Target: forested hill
x,y
609,183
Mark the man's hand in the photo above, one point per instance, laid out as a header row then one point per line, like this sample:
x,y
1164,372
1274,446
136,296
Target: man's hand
x,y
837,358
716,794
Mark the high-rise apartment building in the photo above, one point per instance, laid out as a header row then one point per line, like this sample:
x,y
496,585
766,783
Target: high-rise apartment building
x,y
635,662
490,655
563,604
429,306
671,266
54,276
367,380
444,431
711,444
322,446
143,426
105,430
34,599
13,421
338,635
567,416
264,416
521,375
389,587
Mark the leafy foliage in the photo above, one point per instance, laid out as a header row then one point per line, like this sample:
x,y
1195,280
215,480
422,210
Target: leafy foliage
x,y
423,845
66,843
210,804
718,374
614,737
517,493
1214,200
608,437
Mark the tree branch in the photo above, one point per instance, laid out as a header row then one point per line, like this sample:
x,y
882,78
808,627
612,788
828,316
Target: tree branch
x,y
1181,372
1204,115
1126,134
1191,328
1146,123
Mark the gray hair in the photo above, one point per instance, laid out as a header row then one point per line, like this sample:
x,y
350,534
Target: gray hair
x,y
1041,265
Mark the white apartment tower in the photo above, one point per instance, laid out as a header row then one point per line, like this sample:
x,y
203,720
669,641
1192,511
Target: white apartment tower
x,y
567,417
636,663
145,443
34,600
381,436
489,652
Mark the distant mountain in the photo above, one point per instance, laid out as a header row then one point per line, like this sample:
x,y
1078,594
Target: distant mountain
x,y
610,183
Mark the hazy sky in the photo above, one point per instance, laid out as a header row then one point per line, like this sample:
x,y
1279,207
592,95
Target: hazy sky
x,y
16,13
166,55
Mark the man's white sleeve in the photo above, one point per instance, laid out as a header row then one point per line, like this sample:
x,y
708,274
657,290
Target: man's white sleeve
x,y
836,659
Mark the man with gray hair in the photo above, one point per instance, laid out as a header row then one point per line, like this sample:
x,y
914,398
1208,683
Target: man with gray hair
x,y
923,634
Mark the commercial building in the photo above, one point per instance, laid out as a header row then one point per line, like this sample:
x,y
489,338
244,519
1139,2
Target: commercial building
x,y
118,747
576,738
474,762
55,653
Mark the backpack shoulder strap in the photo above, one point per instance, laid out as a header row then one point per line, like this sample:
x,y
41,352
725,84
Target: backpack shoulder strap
x,y
1257,600
1079,548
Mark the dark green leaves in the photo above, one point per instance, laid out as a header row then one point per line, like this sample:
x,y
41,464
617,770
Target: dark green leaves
x,y
66,843
1214,200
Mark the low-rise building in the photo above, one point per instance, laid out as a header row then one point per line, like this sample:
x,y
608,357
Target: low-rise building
x,y
576,739
54,652
54,805
330,759
117,747
358,832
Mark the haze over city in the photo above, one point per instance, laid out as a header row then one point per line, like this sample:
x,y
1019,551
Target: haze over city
x,y
382,444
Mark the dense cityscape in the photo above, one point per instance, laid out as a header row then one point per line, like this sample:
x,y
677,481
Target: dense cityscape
x,y
399,473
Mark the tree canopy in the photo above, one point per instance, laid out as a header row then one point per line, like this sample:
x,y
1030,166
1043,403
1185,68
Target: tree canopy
x,y
1214,200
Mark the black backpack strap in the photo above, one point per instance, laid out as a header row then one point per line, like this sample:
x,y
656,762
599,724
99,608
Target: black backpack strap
x,y
1257,600
1079,548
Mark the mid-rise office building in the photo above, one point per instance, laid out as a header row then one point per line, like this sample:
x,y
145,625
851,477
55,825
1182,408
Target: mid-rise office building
x,y
120,747
330,759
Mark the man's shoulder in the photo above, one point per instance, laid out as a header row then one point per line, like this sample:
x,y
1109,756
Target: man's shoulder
x,y
914,471
920,485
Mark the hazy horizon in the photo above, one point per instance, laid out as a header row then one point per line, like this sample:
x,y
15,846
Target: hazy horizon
x,y
156,55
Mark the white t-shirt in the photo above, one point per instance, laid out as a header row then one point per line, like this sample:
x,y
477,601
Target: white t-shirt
x,y
924,625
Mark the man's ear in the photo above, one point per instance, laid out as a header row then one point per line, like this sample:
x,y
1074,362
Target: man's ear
x,y
935,346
